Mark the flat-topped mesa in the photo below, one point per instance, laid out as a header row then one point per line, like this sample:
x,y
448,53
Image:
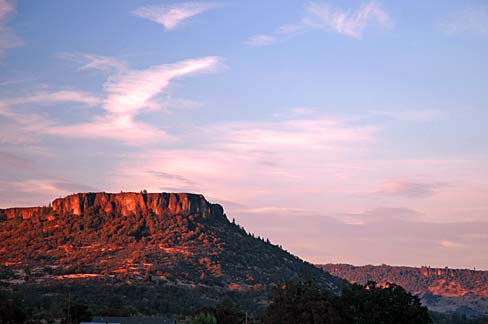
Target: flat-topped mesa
x,y
125,203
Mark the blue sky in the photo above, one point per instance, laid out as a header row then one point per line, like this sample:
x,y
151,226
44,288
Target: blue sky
x,y
324,125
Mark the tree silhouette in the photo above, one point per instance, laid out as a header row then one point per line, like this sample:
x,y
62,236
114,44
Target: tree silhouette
x,y
204,318
304,302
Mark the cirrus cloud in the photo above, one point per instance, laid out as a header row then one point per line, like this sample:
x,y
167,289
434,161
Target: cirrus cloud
x,y
325,17
469,20
95,62
52,97
403,187
129,93
172,16
260,40
328,18
8,38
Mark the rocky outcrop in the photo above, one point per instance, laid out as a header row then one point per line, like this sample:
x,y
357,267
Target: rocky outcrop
x,y
25,213
131,202
124,203
439,281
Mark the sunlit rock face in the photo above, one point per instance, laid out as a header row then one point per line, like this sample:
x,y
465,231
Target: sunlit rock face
x,y
24,213
136,203
123,203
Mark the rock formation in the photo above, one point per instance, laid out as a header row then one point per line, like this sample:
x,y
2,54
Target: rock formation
x,y
179,237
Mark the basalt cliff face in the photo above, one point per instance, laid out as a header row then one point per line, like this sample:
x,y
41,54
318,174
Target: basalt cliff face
x,y
24,213
167,238
122,204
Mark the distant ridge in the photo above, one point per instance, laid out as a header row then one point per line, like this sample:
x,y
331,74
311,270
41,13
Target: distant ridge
x,y
441,289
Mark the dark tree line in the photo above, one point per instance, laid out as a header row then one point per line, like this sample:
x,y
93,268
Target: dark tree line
x,y
225,312
14,311
300,302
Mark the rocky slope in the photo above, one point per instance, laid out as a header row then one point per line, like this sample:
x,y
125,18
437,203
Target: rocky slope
x,y
168,238
441,289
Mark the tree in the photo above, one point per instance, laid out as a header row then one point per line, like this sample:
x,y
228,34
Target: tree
x,y
383,305
204,318
299,302
77,313
228,312
11,310
304,302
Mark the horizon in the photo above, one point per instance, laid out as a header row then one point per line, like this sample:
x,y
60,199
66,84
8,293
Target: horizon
x,y
345,132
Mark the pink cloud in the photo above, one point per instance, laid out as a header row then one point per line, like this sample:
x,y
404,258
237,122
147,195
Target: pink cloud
x,y
256,158
130,92
13,161
94,62
260,40
120,128
52,97
450,244
25,127
322,16
333,19
403,187
316,165
127,94
172,16
43,190
8,38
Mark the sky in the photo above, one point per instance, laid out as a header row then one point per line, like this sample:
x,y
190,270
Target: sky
x,y
345,131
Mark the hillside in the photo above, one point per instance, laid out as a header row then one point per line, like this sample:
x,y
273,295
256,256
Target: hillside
x,y
146,239
441,289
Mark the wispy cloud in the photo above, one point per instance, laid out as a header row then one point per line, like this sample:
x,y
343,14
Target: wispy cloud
x,y
46,186
328,18
402,187
172,16
130,92
8,38
380,215
427,115
40,189
469,20
11,161
267,154
450,244
52,97
325,17
260,40
21,126
95,62
127,94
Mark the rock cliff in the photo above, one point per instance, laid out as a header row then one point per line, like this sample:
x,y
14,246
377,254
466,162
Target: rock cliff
x,y
131,202
175,237
123,204
24,213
